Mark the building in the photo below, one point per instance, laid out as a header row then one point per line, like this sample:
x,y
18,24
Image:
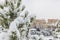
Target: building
x,y
43,23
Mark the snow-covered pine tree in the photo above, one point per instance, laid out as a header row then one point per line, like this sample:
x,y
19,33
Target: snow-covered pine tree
x,y
58,27
9,11
14,18
13,36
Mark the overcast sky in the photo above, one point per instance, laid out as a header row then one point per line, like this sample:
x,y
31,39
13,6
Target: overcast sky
x,y
44,9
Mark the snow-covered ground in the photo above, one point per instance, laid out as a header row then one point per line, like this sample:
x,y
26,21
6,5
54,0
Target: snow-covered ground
x,y
35,35
44,37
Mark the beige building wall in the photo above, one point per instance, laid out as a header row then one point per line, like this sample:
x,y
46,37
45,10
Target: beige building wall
x,y
42,22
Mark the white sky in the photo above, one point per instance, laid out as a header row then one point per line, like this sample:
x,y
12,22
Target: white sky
x,y
43,8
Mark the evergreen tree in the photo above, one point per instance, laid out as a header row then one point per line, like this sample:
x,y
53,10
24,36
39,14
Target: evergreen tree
x,y
13,36
9,11
13,19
